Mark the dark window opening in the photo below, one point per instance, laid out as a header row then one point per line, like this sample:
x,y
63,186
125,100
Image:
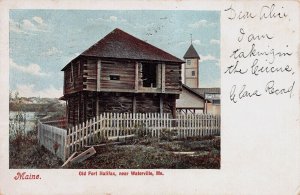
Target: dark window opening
x,y
149,74
217,102
193,73
114,77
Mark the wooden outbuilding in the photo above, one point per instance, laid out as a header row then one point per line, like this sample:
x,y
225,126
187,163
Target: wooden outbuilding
x,y
190,102
122,74
195,99
199,100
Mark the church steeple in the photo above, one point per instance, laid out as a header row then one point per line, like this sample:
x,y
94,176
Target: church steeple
x,y
191,53
191,68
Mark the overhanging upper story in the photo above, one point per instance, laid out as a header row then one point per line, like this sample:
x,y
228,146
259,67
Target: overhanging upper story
x,y
110,75
122,63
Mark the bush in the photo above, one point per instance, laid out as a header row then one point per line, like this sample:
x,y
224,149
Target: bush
x,y
168,134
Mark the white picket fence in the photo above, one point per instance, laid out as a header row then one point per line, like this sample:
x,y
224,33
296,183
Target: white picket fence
x,y
109,125
118,125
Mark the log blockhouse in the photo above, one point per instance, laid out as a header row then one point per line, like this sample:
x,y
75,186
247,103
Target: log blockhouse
x,y
121,73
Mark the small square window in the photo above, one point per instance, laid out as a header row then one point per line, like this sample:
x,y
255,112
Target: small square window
x,y
114,77
193,73
188,62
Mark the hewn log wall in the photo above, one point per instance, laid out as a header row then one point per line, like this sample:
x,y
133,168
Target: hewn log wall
x,y
90,75
115,102
83,74
83,106
73,78
86,99
173,78
169,104
147,103
125,71
73,109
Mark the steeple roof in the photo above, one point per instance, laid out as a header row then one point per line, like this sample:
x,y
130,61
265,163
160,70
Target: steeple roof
x,y
191,53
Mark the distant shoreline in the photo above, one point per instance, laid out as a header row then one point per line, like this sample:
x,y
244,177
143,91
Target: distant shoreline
x,y
34,104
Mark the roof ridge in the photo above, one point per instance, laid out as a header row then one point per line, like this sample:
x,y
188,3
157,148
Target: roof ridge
x,y
131,36
119,44
118,29
193,91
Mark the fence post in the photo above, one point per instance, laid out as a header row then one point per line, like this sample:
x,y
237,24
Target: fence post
x,y
100,126
86,132
65,147
73,138
117,119
82,135
90,131
94,129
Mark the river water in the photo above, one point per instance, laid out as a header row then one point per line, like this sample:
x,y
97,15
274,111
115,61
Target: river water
x,y
26,120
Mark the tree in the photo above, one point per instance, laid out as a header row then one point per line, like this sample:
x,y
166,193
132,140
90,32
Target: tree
x,y
16,95
18,122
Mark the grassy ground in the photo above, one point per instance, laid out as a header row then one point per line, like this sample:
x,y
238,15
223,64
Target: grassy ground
x,y
201,153
26,153
204,153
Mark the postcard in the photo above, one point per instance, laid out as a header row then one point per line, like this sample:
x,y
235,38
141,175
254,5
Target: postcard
x,y
150,97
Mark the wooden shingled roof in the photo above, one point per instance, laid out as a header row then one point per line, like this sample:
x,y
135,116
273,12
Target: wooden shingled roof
x,y
193,91
203,91
121,45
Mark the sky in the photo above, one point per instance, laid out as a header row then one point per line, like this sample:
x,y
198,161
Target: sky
x,y
42,42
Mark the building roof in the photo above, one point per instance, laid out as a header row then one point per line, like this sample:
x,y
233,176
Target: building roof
x,y
121,45
193,91
203,91
191,53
